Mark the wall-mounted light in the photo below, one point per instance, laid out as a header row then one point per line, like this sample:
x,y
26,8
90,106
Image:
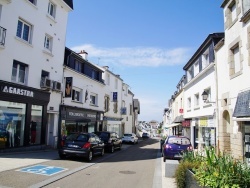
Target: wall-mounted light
x,y
205,96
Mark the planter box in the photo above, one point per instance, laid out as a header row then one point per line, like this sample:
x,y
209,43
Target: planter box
x,y
191,181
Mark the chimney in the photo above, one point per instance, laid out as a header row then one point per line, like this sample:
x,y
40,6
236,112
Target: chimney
x,y
84,54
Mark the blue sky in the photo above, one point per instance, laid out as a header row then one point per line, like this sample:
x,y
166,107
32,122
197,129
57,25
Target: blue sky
x,y
146,42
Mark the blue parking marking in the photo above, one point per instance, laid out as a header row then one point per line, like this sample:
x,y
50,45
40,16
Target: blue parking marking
x,y
43,170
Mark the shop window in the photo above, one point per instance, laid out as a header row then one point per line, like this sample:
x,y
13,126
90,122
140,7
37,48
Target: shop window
x,y
36,124
12,123
19,72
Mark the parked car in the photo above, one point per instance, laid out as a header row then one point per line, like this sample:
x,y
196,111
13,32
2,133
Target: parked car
x,y
130,138
111,140
84,145
174,146
145,135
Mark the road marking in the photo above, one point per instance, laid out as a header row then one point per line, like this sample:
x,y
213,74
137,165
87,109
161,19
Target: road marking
x,y
43,170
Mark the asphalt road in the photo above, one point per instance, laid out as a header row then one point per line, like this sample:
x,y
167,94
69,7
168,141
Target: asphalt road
x,y
133,166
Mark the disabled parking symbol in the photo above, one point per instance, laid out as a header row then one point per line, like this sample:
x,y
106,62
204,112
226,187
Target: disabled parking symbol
x,y
43,170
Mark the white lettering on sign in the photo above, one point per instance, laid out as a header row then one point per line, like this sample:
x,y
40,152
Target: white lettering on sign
x,y
18,91
76,114
91,115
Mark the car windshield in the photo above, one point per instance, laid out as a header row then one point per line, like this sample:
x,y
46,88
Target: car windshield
x,y
103,134
77,137
178,140
127,134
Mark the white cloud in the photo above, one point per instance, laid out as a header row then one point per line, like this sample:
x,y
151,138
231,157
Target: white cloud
x,y
136,56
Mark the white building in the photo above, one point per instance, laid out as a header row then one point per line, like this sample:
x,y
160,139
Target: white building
x,y
233,74
127,110
32,42
82,105
201,79
112,120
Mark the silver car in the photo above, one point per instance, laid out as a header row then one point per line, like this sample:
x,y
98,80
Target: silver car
x,y
130,138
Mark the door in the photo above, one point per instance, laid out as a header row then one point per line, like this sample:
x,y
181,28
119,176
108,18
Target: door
x,y
51,140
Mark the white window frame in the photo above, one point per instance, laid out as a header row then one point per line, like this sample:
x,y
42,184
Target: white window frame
x,y
93,99
196,100
196,68
48,43
189,101
21,36
78,92
53,13
233,11
236,59
205,59
16,79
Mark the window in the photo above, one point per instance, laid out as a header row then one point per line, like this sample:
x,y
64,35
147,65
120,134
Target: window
x,y
106,103
246,6
93,99
205,59
236,59
24,30
52,9
19,72
94,74
108,79
233,11
48,42
130,109
116,83
189,102
33,1
190,73
196,68
196,99
76,95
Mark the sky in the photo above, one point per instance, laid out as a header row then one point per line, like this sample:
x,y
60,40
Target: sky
x,y
146,42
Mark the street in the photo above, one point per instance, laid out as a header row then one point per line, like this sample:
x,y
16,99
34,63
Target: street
x,y
133,166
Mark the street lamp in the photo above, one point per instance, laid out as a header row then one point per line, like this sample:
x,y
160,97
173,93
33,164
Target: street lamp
x,y
204,96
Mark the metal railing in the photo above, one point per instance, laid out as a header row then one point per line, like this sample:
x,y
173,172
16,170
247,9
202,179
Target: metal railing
x,y
2,35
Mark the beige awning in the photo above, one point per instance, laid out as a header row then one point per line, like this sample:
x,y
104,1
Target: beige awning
x,y
173,125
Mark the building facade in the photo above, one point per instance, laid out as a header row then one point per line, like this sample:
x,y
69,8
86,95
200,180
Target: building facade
x,y
32,41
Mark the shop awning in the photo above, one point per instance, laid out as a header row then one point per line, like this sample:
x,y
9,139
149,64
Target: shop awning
x,y
178,119
242,105
172,125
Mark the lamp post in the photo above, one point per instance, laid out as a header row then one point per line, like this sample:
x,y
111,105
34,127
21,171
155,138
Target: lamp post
x,y
204,96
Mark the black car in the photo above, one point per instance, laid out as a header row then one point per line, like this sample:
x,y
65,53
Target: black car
x,y
84,145
145,135
110,139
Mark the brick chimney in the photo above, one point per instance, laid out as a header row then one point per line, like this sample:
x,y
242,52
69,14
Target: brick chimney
x,y
84,54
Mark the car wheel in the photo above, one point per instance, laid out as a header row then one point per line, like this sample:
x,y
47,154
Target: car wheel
x,y
112,149
102,153
90,156
164,159
62,156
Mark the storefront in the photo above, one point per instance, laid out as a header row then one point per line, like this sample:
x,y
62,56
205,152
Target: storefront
x,y
23,115
205,132
113,124
73,119
186,128
242,116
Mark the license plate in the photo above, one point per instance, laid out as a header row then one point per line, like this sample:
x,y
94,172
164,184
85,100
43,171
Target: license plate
x,y
72,146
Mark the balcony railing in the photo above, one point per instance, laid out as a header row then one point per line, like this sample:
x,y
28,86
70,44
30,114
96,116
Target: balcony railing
x,y
2,36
